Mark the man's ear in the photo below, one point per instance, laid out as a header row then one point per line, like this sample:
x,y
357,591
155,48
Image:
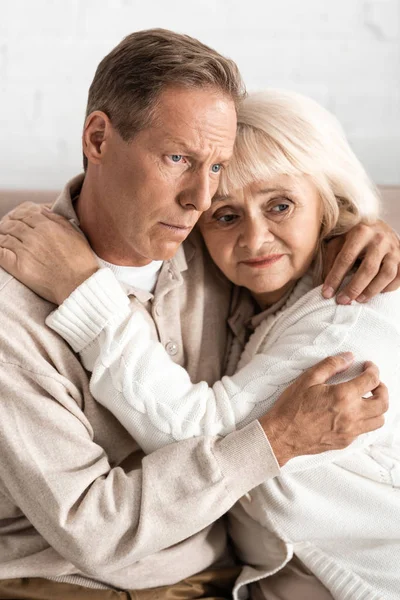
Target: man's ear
x,y
95,135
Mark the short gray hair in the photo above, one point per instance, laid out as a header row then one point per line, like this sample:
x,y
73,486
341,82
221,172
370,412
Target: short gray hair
x,y
129,80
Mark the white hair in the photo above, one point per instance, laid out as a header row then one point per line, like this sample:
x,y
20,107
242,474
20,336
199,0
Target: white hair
x,y
283,132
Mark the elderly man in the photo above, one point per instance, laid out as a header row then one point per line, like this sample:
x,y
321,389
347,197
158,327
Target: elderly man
x,y
84,513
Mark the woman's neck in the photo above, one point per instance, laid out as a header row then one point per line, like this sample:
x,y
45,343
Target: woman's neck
x,y
267,299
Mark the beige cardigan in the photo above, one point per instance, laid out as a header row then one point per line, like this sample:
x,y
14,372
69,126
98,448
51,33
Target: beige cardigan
x,y
78,503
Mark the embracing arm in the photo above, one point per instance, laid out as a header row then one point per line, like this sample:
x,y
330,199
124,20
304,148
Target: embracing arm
x,y
155,400
376,247
48,255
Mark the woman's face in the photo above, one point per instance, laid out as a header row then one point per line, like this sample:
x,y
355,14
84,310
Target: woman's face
x,y
264,237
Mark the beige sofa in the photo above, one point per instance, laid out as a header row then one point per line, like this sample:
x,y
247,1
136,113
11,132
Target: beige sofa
x,y
9,198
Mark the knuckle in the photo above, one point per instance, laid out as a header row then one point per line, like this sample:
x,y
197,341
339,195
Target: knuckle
x,y
373,381
345,258
332,362
353,290
379,238
394,284
370,267
363,229
342,395
389,269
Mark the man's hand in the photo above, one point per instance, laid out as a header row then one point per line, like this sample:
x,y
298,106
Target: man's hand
x,y
311,417
45,252
378,248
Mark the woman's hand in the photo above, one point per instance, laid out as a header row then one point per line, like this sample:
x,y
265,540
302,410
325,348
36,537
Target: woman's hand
x,y
45,252
378,248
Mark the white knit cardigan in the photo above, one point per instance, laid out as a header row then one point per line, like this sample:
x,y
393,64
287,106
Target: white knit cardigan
x,y
338,511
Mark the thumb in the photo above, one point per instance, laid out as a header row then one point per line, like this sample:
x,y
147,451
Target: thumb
x,y
329,367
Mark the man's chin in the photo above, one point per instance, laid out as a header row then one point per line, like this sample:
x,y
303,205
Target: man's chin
x,y
167,252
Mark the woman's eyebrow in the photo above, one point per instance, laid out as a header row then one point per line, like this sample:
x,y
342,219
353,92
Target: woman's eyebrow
x,y
281,190
220,198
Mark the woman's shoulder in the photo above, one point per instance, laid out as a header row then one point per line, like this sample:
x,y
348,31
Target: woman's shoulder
x,y
384,305
310,312
310,299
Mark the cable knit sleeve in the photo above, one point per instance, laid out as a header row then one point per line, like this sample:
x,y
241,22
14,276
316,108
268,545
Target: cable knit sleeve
x,y
154,398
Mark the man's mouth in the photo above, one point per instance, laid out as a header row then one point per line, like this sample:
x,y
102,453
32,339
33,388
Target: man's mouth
x,y
177,228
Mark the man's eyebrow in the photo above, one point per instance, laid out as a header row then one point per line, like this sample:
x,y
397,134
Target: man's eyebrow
x,y
181,145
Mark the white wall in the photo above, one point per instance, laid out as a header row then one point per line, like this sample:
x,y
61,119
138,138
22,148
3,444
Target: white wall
x,y
344,53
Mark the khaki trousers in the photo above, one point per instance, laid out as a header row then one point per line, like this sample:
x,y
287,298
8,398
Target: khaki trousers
x,y
293,582
213,584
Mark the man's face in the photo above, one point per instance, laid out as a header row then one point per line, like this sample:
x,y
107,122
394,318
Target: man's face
x,y
153,189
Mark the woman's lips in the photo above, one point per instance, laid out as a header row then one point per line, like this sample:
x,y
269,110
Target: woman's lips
x,y
262,261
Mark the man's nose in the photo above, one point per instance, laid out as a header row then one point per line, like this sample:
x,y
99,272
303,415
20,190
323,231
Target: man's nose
x,y
197,195
255,232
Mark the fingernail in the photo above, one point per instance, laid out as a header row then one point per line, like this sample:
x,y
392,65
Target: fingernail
x,y
343,299
362,298
328,291
347,356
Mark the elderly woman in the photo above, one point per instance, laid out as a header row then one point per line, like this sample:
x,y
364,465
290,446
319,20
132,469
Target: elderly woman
x,y
328,525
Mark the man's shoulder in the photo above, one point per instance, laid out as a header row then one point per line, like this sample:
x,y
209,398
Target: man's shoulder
x,y
16,298
24,333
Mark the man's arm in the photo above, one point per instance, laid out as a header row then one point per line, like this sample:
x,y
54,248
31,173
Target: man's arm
x,y
99,518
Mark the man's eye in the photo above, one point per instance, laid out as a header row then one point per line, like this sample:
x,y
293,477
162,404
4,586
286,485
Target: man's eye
x,y
176,158
216,168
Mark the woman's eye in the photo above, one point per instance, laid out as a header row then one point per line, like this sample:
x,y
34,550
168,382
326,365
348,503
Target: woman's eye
x,y
216,168
280,208
226,219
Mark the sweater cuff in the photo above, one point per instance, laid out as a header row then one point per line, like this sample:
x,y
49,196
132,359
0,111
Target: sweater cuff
x,y
246,459
85,313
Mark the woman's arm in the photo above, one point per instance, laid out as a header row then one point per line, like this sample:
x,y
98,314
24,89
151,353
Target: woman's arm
x,y
154,398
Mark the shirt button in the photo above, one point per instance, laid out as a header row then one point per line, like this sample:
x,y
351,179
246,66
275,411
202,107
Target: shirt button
x,y
171,348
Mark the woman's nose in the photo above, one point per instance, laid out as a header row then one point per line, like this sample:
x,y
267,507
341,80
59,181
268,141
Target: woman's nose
x,y
255,233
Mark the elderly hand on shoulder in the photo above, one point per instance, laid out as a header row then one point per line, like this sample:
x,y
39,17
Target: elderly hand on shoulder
x,y
44,251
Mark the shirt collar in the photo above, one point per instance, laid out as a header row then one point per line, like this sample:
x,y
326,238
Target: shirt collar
x,y
64,203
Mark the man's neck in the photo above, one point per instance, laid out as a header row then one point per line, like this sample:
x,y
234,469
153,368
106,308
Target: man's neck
x,y
98,228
